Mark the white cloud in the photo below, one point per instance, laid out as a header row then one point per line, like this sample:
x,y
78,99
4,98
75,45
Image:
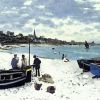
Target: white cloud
x,y
24,7
28,2
40,6
80,1
49,13
25,15
44,18
75,31
59,21
13,8
97,6
8,12
30,24
65,29
1,26
96,3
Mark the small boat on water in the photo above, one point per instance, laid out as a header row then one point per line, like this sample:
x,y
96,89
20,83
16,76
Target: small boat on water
x,y
13,78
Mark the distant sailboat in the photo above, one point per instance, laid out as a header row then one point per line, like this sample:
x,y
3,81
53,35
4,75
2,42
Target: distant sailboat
x,y
92,43
86,45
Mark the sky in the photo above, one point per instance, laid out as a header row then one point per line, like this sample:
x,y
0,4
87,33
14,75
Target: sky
x,y
68,20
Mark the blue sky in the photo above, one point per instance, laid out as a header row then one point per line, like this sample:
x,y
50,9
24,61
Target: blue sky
x,y
68,20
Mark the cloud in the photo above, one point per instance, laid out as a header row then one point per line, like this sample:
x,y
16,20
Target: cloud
x,y
74,31
25,15
27,2
8,12
40,6
63,19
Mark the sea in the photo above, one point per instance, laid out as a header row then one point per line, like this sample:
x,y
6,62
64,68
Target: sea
x,y
71,52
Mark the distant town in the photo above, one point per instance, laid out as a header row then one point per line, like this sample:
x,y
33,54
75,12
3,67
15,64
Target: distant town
x,y
10,38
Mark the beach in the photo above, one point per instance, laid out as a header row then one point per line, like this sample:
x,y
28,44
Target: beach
x,y
69,81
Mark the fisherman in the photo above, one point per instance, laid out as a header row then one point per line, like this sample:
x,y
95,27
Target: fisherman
x,y
14,62
24,62
36,65
63,56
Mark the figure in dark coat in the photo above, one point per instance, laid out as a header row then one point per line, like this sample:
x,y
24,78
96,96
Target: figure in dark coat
x,y
36,65
63,56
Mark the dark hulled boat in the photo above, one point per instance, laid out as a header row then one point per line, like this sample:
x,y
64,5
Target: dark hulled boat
x,y
11,78
84,63
92,65
95,69
14,78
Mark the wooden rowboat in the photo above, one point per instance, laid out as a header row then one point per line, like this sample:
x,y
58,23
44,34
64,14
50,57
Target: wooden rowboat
x,y
14,78
84,63
95,69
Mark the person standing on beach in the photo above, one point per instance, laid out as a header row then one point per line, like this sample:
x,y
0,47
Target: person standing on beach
x,y
36,65
14,62
24,62
63,56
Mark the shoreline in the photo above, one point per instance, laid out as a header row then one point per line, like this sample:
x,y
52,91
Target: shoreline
x,y
46,44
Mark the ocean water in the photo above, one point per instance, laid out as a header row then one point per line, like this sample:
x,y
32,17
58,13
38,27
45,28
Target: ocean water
x,y
72,52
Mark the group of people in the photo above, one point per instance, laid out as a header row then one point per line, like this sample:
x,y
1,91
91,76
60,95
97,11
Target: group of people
x,y
36,63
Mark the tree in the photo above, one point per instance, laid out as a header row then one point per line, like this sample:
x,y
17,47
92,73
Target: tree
x,y
20,35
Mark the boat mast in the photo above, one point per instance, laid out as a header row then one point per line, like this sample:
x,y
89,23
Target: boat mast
x,y
29,50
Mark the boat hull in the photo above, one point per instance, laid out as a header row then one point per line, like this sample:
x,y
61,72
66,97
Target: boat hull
x,y
14,78
95,69
84,63
13,83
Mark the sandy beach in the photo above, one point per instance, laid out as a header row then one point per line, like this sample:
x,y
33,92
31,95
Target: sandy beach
x,y
69,81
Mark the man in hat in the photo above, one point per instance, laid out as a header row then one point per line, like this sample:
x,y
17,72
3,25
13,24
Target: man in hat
x,y
14,62
36,65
